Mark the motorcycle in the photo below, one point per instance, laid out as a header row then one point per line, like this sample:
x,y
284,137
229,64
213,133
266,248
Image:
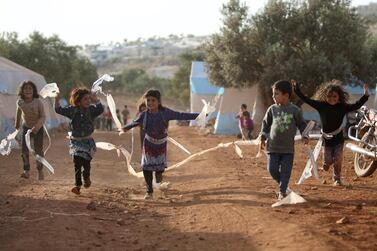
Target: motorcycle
x,y
363,134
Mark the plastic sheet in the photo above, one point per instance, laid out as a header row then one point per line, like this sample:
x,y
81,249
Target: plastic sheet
x,y
36,156
291,198
8,143
207,109
311,165
112,106
238,151
49,90
96,87
179,145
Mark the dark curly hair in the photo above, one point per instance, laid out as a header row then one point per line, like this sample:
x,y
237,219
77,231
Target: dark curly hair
x,y
156,94
333,86
77,94
22,86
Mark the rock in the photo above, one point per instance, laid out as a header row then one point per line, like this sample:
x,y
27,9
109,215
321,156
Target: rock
x,y
120,222
100,232
201,238
91,206
314,188
328,205
324,182
291,212
359,206
343,220
355,179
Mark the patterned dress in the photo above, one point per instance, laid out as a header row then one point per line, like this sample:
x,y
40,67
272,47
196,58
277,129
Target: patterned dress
x,y
155,141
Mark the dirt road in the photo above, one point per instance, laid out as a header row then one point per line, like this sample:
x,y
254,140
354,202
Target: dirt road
x,y
216,202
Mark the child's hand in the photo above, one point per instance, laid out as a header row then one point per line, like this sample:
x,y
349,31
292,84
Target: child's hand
x,y
124,129
294,83
366,89
262,144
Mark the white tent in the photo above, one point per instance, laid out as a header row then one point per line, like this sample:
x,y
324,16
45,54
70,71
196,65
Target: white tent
x,y
230,102
11,75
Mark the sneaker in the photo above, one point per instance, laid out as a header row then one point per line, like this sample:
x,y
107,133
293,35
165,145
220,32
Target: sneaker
x,y
25,174
281,195
148,196
41,175
87,182
75,190
338,183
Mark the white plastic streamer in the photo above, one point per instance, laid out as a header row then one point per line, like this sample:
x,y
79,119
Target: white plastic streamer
x,y
96,87
49,140
8,143
36,156
238,151
291,198
49,90
207,109
179,145
111,104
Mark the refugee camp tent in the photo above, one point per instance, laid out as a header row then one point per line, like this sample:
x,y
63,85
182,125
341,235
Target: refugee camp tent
x,y
229,104
11,75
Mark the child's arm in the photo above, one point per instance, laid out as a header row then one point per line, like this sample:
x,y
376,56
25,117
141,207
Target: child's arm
x,y
266,127
360,102
96,109
136,122
17,122
42,117
173,115
313,103
65,111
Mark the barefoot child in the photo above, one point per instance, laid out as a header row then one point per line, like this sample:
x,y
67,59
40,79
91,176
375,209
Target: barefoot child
x,y
279,128
332,105
30,107
154,122
82,146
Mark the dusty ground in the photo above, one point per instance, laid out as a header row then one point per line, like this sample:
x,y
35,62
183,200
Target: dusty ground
x,y
216,202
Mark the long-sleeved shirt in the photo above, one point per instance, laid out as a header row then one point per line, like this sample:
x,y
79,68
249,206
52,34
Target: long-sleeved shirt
x,y
279,127
331,115
32,113
156,124
81,124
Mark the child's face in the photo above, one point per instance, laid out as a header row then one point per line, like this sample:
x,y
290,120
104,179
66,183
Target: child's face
x,y
279,97
152,103
85,101
27,91
332,98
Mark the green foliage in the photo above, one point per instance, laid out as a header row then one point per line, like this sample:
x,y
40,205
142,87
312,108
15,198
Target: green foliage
x,y
311,41
51,57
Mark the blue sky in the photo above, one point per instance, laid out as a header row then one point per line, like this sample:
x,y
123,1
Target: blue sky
x,y
92,21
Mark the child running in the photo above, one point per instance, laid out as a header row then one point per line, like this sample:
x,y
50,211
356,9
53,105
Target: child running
x,y
82,146
154,121
332,104
279,128
30,107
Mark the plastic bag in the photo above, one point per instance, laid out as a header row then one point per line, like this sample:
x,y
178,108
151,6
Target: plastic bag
x,y
291,198
8,143
49,90
36,156
96,87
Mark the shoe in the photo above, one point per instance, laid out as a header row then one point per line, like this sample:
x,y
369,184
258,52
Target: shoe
x,y
148,196
281,195
25,174
75,190
41,175
338,183
87,182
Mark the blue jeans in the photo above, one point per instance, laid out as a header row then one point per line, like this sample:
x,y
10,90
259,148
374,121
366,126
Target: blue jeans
x,y
279,165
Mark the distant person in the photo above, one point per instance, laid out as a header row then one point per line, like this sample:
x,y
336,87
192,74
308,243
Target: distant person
x,y
30,107
82,146
154,121
125,115
108,119
248,125
332,105
279,128
241,121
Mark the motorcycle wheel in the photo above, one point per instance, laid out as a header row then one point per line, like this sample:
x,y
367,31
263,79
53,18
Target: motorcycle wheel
x,y
364,165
